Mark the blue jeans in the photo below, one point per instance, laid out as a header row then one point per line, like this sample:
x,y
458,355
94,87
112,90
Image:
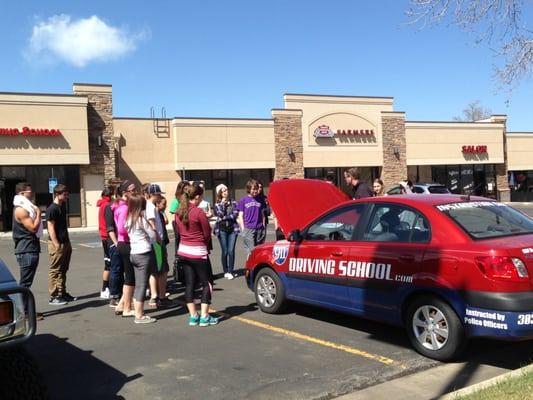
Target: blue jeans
x,y
227,245
116,272
28,266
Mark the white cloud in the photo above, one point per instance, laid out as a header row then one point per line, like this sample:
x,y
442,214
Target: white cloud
x,y
80,42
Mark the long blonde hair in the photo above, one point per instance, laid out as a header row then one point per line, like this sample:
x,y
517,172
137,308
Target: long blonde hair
x,y
189,193
136,207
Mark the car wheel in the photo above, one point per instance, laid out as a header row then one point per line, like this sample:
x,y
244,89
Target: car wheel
x,y
435,329
269,291
20,377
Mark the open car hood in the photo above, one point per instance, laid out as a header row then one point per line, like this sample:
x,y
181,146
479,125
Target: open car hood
x,y
296,202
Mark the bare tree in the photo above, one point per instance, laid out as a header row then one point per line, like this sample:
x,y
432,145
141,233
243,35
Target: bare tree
x,y
474,112
496,22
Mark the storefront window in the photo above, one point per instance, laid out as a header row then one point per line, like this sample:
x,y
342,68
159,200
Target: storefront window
x,y
480,179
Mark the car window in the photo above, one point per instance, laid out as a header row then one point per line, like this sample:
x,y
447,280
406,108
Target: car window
x,y
393,223
338,225
417,189
487,219
395,190
438,189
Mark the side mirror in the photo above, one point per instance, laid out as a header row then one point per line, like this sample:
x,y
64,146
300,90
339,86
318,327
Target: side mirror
x,y
295,236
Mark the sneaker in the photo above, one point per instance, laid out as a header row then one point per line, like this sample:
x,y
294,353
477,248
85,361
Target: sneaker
x,y
230,276
57,301
113,302
208,320
104,294
194,320
68,297
227,275
145,319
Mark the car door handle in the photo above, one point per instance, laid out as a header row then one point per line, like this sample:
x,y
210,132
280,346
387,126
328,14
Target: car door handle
x,y
406,257
337,254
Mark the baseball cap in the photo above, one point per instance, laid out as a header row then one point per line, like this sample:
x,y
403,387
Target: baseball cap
x,y
125,186
154,188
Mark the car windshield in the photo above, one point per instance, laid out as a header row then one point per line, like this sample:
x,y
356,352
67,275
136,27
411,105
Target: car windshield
x,y
438,189
487,219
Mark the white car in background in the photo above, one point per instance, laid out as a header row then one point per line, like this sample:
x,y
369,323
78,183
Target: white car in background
x,y
430,188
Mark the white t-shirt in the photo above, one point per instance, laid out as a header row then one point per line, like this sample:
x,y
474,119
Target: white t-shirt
x,y
152,213
141,236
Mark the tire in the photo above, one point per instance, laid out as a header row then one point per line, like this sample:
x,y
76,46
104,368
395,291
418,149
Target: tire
x,y
20,377
269,291
434,329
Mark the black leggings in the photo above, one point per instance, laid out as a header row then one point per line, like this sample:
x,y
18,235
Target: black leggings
x,y
124,250
197,270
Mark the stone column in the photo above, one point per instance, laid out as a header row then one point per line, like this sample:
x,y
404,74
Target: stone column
x,y
502,183
288,143
102,155
394,148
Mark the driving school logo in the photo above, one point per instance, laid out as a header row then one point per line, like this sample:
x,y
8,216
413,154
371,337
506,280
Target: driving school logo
x,y
280,252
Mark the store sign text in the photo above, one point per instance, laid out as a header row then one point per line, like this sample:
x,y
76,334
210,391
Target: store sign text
x,y
474,149
26,131
324,131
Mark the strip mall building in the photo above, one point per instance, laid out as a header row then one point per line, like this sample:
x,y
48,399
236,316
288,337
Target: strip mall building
x,y
76,140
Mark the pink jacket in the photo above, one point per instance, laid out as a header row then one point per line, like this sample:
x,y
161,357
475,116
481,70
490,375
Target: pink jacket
x,y
120,212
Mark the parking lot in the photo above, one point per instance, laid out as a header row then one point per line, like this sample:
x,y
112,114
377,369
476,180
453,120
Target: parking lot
x,y
85,351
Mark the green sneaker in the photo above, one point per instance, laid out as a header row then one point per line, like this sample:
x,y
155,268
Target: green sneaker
x,y
194,320
208,320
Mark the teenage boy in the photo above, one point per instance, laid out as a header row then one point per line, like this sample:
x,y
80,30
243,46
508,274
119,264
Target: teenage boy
x,y
359,188
59,248
251,217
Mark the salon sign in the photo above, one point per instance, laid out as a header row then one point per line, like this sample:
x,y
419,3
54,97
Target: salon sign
x,y
28,131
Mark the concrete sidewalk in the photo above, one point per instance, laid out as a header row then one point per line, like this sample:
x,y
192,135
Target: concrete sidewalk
x,y
430,384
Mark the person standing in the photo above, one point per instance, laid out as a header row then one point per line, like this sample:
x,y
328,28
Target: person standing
x,y
359,188
102,203
251,217
59,247
226,228
27,229
142,256
195,237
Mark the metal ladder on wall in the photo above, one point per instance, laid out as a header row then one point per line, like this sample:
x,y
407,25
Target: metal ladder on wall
x,y
161,126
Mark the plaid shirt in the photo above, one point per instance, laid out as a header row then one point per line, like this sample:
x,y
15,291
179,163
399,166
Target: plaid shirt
x,y
225,213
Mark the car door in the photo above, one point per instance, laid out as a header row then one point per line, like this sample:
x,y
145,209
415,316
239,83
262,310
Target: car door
x,y
313,273
385,259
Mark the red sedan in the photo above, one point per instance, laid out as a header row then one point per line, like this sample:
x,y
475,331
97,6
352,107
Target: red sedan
x,y
447,267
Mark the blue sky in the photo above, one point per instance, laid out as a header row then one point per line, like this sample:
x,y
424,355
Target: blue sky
x,y
237,58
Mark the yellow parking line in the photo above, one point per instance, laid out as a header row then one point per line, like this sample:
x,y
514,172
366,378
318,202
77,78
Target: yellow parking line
x,y
296,335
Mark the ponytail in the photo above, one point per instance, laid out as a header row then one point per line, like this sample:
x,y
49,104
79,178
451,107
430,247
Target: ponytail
x,y
189,192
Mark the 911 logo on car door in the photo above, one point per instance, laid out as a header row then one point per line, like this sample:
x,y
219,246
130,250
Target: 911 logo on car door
x,y
280,251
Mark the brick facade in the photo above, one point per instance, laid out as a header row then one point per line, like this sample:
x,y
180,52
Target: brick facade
x,y
394,148
502,183
288,143
102,153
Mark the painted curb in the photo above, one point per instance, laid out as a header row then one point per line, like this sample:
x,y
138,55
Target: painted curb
x,y
488,383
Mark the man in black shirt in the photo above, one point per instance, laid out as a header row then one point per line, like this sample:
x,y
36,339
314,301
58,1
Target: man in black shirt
x,y
59,248
358,187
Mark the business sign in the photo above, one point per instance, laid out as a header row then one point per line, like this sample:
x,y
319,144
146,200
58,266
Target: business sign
x,y
52,183
480,149
324,131
27,131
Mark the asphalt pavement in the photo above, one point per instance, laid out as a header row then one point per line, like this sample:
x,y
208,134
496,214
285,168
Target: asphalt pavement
x,y
86,352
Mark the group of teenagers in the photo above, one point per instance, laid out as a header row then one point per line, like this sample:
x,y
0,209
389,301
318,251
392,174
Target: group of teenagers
x,y
133,224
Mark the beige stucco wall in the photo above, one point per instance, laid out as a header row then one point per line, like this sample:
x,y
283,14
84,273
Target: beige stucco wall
x,y
520,151
223,143
440,143
64,112
341,112
145,157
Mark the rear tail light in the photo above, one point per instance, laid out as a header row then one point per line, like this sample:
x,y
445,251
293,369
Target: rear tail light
x,y
6,312
503,268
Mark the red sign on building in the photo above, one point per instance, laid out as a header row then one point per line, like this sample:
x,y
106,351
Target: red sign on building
x,y
26,131
479,149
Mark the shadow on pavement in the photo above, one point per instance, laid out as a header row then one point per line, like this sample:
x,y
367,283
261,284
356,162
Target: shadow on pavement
x,y
75,306
73,373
